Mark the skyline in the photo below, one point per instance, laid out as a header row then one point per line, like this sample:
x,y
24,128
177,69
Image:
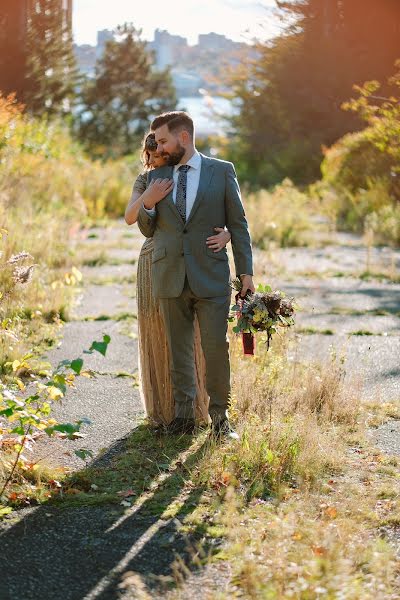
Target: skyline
x,y
238,20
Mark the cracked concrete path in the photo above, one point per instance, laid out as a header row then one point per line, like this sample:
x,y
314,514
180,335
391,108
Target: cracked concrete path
x,y
346,313
88,552
111,400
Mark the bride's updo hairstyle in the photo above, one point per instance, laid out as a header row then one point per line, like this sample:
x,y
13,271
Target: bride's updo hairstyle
x,y
149,144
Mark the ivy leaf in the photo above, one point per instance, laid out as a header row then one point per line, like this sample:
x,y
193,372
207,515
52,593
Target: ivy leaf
x,y
83,453
99,346
68,428
19,430
76,365
7,412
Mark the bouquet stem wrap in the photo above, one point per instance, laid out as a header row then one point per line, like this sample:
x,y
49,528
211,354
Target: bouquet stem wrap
x,y
248,340
248,343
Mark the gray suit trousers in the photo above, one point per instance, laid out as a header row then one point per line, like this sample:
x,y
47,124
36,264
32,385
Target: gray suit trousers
x,y
212,314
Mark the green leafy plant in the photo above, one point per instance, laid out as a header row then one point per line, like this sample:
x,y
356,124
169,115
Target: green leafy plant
x,y
28,418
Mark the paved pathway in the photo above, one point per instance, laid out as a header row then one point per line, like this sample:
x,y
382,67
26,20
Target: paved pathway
x,y
85,553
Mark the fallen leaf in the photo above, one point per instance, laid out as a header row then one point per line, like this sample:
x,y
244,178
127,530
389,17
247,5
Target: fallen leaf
x,y
331,512
226,478
126,493
54,483
318,550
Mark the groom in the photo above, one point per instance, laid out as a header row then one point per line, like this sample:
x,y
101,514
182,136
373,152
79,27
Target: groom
x,y
187,276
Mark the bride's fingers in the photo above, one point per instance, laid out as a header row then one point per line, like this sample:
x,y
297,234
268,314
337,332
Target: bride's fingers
x,y
216,239
164,185
168,184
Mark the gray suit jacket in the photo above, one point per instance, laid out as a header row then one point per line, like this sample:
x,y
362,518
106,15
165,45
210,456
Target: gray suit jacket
x,y
180,248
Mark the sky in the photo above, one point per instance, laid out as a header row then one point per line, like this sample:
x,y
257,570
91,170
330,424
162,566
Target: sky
x,y
239,20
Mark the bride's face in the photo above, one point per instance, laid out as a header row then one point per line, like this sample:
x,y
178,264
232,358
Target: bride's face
x,y
156,160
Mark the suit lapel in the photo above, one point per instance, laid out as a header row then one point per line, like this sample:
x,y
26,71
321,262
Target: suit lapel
x,y
206,173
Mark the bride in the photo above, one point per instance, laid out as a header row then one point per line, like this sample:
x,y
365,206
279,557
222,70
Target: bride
x,y
155,382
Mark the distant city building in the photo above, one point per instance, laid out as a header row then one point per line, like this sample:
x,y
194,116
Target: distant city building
x,y
167,48
14,19
192,67
216,41
86,55
103,37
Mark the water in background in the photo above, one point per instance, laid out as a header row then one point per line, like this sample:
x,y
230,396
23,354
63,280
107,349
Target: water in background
x,y
205,111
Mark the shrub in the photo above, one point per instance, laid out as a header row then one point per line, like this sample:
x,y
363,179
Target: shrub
x,y
282,215
361,172
43,170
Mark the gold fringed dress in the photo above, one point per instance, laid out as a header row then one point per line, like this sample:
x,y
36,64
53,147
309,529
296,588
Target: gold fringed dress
x,y
154,375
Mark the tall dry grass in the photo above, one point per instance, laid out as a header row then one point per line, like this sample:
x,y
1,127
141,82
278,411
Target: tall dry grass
x,y
48,191
284,216
299,507
291,416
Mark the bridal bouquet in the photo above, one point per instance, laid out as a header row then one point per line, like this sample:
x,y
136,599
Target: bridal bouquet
x,y
265,310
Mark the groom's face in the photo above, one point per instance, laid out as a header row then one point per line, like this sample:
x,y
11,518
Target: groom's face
x,y
168,145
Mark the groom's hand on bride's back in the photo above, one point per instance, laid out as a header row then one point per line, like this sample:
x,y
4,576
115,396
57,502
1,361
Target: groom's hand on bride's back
x,y
157,190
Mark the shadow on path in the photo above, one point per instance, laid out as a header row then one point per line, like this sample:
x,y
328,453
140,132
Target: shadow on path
x,y
81,552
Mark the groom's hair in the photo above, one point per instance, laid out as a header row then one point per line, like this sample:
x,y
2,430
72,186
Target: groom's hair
x,y
177,120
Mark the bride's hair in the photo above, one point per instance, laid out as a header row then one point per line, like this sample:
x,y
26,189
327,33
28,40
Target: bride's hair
x,y
149,144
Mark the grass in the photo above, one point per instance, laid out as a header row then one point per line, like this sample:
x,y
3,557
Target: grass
x,y
112,280
380,276
123,316
362,332
97,260
314,330
144,461
378,413
302,480
33,311
374,312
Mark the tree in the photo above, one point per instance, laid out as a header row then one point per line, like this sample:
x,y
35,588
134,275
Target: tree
x,y
125,93
51,73
292,95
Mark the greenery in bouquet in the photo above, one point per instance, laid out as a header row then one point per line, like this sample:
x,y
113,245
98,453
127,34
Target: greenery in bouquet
x,y
263,311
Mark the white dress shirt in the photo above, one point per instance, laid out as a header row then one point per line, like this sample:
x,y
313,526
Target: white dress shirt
x,y
193,178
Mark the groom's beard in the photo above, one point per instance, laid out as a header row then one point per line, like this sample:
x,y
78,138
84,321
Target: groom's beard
x,y
174,158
